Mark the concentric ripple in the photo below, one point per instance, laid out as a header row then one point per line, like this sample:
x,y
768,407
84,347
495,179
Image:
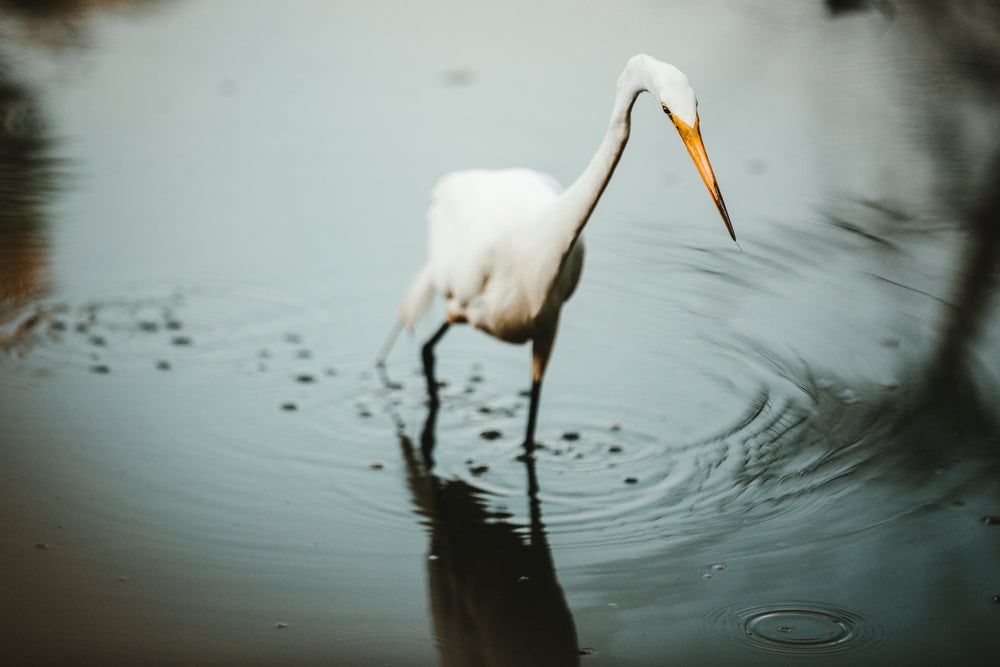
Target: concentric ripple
x,y
801,628
255,377
257,381
609,486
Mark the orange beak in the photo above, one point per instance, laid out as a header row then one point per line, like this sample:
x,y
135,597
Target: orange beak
x,y
696,147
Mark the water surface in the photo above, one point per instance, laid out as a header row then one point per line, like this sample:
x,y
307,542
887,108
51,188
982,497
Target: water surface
x,y
208,214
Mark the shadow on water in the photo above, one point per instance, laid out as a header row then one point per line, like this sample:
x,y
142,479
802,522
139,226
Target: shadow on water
x,y
951,54
494,595
946,413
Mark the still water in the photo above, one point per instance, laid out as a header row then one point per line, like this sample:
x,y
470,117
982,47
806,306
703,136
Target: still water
x,y
781,455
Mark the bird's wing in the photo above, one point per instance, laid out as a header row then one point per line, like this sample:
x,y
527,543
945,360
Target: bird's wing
x,y
479,216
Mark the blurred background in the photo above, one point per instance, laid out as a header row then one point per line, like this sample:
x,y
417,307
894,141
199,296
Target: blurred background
x,y
210,210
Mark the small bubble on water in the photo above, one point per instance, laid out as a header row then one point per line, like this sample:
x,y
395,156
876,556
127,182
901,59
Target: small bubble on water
x,y
305,378
616,449
631,480
718,567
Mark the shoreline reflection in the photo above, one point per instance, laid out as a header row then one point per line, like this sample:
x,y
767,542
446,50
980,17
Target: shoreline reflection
x,y
28,176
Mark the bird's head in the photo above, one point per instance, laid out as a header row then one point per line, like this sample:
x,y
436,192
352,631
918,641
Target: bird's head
x,y
672,90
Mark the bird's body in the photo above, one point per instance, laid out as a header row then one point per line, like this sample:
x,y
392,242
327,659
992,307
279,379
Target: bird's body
x,y
491,252
505,246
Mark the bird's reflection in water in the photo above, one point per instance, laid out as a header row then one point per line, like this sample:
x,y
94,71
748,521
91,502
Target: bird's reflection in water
x,y
494,595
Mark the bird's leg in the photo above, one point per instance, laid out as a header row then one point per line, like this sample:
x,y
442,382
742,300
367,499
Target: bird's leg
x,y
541,348
428,355
529,437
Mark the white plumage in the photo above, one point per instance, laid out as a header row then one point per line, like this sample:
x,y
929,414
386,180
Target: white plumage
x,y
505,246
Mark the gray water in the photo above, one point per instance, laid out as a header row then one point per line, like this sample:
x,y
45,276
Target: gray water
x,y
781,455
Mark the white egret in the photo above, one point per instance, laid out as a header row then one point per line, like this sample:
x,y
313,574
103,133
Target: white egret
x,y
505,248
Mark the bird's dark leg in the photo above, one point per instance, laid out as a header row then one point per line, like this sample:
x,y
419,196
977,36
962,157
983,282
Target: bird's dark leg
x,y
542,346
427,436
428,356
529,437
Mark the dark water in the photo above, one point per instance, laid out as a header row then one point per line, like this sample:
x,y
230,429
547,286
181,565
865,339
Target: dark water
x,y
785,455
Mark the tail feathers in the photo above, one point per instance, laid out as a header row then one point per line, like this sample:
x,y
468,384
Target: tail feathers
x,y
415,303
417,299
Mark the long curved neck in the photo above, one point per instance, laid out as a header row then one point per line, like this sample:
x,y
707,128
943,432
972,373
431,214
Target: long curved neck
x,y
563,222
579,199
